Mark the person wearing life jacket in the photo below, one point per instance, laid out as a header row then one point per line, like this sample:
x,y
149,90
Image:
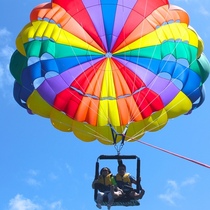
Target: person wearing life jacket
x,y
124,181
103,184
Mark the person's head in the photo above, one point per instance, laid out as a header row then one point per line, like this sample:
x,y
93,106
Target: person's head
x,y
121,169
105,171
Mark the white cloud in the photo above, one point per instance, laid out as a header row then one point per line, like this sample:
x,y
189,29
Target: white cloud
x,y
52,176
204,11
33,182
4,35
33,172
170,196
56,205
190,181
5,54
69,169
21,203
173,190
172,193
173,184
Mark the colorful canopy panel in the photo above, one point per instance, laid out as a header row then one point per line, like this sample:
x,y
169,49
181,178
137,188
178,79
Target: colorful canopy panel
x,y
89,64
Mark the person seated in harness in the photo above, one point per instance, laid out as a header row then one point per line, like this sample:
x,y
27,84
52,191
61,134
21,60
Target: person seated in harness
x,y
103,184
124,181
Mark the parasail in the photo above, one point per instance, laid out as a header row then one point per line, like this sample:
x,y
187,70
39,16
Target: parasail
x,y
96,65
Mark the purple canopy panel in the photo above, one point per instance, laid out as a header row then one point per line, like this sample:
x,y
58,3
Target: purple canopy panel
x,y
50,87
94,9
123,10
144,74
165,88
70,75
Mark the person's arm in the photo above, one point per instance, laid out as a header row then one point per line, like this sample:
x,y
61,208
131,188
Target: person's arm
x,y
94,182
120,162
134,181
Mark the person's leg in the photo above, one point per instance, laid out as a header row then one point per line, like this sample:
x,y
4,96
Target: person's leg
x,y
110,200
99,199
115,194
136,195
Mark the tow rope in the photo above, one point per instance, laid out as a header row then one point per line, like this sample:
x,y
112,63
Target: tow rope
x,y
177,155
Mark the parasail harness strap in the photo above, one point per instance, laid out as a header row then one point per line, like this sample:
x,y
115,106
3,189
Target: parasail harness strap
x,y
115,134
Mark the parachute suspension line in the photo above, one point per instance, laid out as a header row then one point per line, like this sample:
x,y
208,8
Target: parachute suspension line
x,y
175,154
115,134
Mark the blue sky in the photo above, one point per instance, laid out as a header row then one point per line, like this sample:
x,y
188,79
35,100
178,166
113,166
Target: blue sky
x,y
45,169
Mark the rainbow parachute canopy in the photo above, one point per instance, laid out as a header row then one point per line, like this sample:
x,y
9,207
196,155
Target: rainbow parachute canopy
x,y
91,64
